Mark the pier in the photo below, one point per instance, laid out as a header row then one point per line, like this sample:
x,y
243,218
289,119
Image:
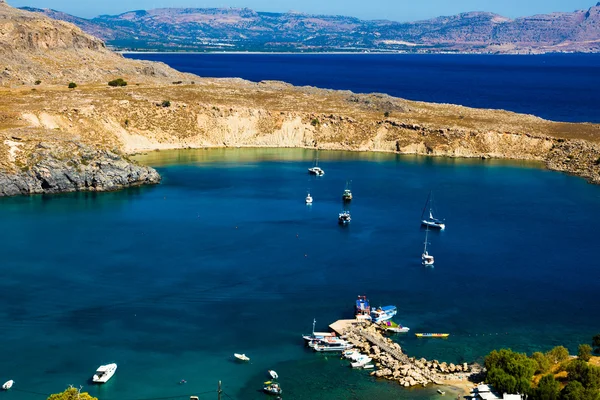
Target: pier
x,y
393,364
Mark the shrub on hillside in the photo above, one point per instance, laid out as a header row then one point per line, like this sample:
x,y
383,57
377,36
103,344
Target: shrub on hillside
x,y
117,82
72,85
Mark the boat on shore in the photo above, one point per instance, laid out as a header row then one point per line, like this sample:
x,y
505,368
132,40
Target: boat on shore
x,y
427,218
344,218
8,384
104,373
241,357
385,313
432,335
272,388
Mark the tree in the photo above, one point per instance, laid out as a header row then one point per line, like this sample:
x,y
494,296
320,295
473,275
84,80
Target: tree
x,y
582,372
584,352
548,389
71,394
558,354
72,85
575,391
166,103
543,364
510,372
38,82
386,114
117,82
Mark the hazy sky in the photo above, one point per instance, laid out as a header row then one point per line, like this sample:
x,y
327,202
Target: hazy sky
x,y
398,10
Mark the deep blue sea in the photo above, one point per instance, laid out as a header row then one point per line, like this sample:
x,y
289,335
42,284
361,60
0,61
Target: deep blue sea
x,y
224,256
561,87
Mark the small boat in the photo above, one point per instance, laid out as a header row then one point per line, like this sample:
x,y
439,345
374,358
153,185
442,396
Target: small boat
x,y
347,195
429,220
104,373
8,384
391,326
362,309
368,366
272,388
332,344
241,357
273,374
381,314
426,258
308,199
432,335
344,218
361,361
315,170
440,391
316,336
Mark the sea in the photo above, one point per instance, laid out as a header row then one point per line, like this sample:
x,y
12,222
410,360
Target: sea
x,y
225,257
560,87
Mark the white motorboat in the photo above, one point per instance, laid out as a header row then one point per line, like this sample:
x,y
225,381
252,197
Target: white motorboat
x,y
344,218
309,199
331,344
273,374
347,195
368,366
429,221
241,357
316,336
426,258
385,313
8,384
104,373
361,362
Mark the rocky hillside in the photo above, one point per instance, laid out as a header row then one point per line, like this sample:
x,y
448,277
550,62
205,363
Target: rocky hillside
x,y
36,48
55,139
245,29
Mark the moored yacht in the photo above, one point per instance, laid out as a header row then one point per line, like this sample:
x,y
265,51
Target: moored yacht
x,y
104,373
316,336
361,361
308,199
344,218
362,309
426,258
331,344
381,314
315,170
430,221
347,195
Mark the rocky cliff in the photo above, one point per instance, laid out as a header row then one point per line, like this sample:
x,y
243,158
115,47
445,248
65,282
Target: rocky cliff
x,y
55,139
245,29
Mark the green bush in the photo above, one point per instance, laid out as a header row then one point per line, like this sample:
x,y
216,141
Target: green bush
x,y
558,354
117,82
166,103
72,85
509,372
543,364
584,352
548,389
38,82
386,114
71,394
314,122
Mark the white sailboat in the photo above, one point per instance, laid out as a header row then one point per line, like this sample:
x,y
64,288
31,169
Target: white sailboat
x,y
8,384
426,259
309,199
428,220
315,170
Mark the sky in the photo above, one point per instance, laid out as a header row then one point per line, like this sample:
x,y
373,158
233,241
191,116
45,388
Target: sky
x,y
396,10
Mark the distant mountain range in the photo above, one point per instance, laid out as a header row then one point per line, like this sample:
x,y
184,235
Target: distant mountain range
x,y
233,29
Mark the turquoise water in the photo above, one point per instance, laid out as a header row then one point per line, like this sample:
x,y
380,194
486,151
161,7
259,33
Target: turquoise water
x,y
224,256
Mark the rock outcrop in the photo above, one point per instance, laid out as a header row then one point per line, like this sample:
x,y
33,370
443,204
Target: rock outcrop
x,y
74,167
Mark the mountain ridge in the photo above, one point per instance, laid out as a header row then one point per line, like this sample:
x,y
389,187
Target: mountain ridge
x,y
244,29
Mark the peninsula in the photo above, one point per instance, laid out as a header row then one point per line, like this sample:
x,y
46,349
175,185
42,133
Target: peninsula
x,y
64,128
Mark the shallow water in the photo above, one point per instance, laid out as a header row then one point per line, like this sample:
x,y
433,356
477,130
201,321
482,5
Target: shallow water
x,y
224,256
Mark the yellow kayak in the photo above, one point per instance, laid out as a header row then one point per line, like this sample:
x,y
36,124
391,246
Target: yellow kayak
x,y
436,335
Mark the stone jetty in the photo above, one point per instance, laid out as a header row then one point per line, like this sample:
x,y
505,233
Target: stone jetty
x,y
393,364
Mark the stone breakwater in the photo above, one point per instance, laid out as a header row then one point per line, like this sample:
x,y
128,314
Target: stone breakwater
x,y
52,170
393,364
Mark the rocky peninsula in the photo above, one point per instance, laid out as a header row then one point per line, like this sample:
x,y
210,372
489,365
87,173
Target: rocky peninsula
x,y
54,138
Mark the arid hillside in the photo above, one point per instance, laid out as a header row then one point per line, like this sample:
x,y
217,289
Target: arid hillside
x,y
58,139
